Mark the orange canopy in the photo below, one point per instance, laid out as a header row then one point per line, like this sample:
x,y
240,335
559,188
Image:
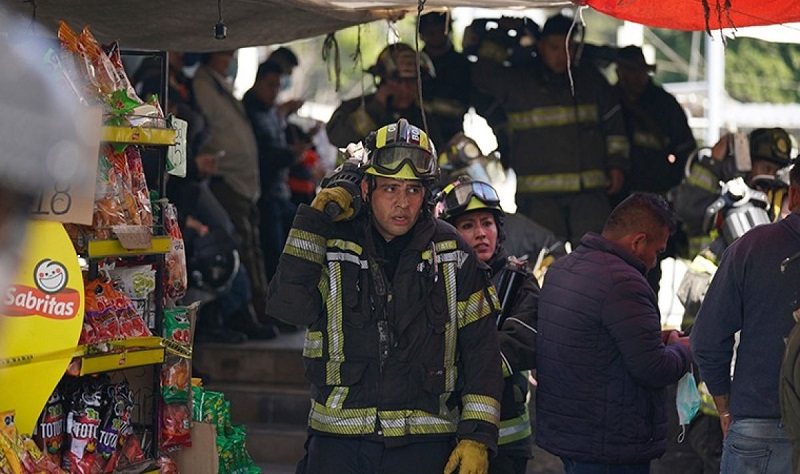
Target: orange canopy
x,y
695,15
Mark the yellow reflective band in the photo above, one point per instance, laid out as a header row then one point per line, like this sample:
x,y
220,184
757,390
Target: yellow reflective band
x,y
415,422
323,285
703,178
617,145
549,183
475,308
451,108
702,264
515,429
312,347
593,179
345,245
333,374
337,397
480,407
556,116
649,140
305,245
362,122
708,406
423,140
351,421
446,245
505,365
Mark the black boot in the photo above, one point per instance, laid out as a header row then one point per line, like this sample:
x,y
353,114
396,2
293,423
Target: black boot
x,y
245,321
211,329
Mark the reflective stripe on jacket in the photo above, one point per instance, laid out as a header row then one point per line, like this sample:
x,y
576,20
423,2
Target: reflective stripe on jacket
x,y
385,356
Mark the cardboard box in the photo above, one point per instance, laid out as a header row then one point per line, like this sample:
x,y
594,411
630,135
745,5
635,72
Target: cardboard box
x,y
202,457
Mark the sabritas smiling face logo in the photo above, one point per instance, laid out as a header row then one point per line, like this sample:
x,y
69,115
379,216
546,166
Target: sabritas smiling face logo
x,y
51,298
50,276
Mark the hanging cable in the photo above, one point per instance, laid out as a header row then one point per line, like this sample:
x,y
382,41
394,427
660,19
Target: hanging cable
x,y
578,17
420,7
358,63
331,44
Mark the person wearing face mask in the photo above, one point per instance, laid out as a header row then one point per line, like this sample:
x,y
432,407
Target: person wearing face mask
x,y
568,143
395,71
473,207
602,360
236,181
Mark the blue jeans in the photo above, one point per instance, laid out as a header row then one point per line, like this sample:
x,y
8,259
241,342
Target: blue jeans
x,y
575,467
756,445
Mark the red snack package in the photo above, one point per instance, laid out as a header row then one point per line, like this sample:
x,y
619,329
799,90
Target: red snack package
x,y
175,274
49,431
175,426
83,421
139,186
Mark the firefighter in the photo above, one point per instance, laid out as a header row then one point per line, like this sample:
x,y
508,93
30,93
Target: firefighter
x,y
568,143
395,73
769,149
473,207
400,347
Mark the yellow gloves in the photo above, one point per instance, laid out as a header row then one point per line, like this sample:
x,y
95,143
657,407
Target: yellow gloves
x,y
335,202
470,457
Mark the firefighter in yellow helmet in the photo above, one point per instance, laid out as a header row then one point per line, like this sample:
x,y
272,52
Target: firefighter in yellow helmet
x,y
401,351
473,207
395,97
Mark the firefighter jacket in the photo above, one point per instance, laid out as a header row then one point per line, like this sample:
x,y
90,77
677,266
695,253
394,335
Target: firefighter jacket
x,y
561,143
447,96
354,119
394,360
657,129
517,338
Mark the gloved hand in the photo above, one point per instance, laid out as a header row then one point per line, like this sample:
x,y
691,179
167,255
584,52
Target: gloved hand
x,y
470,457
338,195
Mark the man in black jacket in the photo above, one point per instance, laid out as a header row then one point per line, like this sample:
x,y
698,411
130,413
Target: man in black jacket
x,y
400,347
602,359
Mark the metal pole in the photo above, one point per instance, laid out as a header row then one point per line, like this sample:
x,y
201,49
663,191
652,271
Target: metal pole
x,y
715,79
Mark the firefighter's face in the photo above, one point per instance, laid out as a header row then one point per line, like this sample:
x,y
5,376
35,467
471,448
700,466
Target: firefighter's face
x,y
479,229
553,50
764,168
396,205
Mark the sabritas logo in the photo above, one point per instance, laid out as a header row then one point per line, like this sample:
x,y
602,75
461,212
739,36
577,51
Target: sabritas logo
x,y
50,298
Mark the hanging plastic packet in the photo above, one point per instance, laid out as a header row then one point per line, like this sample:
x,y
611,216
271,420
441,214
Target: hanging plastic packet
x,y
687,401
49,431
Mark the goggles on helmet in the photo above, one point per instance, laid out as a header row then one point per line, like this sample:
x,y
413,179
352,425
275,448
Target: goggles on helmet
x,y
388,161
457,199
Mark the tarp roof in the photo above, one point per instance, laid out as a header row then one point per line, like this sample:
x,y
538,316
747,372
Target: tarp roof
x,y
188,25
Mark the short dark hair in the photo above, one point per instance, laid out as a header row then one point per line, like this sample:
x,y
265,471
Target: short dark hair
x,y
284,54
268,67
560,25
433,18
794,174
640,212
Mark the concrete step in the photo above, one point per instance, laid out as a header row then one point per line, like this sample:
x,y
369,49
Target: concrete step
x,y
275,443
278,361
265,403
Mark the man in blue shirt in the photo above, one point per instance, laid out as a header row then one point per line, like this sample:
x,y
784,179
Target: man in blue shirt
x,y
750,295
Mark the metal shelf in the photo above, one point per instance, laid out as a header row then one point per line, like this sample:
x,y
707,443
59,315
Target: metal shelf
x,y
120,354
113,248
138,135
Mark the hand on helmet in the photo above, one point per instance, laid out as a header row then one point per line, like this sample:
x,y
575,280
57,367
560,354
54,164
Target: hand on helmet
x,y
470,457
336,203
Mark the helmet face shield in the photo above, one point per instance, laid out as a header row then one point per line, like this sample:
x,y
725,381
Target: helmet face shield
x,y
460,198
390,161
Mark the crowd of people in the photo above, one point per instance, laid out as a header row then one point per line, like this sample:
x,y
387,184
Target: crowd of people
x,y
424,334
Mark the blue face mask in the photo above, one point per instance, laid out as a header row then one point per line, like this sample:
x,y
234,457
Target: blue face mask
x,y
286,82
688,402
